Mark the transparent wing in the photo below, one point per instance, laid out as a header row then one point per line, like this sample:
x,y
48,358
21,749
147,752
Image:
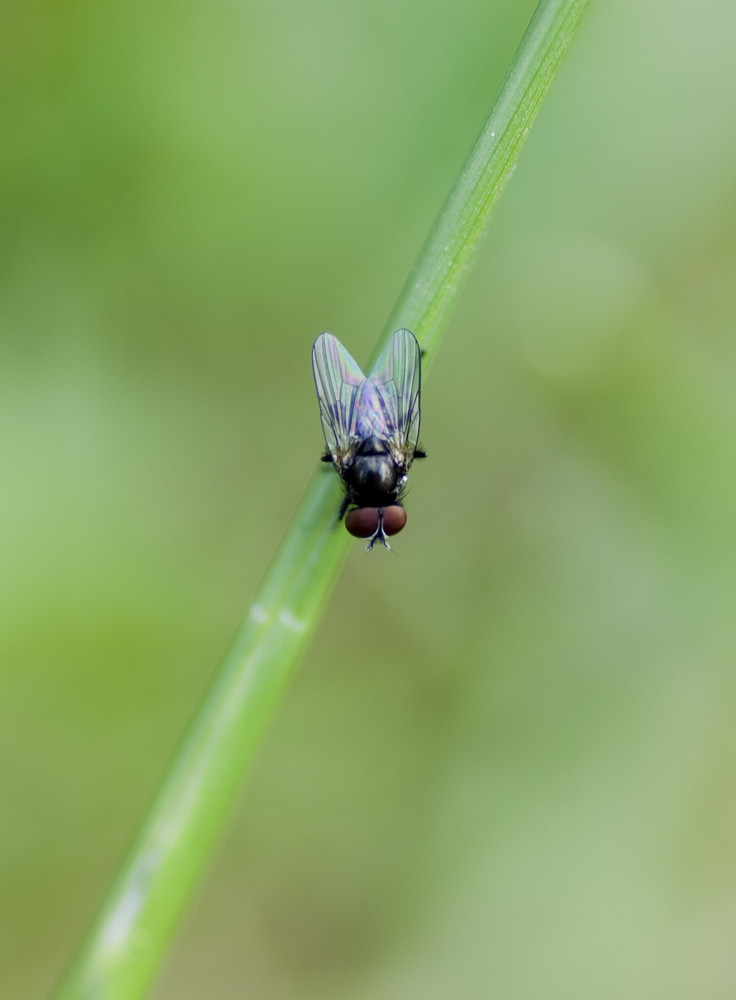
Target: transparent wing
x,y
338,379
396,379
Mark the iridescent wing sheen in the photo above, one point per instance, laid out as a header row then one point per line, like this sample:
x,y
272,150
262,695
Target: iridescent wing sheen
x,y
388,401
338,380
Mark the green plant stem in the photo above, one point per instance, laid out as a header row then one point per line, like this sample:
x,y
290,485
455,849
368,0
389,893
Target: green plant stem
x,y
129,938
437,276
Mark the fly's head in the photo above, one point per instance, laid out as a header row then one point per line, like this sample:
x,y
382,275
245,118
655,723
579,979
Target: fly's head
x,y
375,523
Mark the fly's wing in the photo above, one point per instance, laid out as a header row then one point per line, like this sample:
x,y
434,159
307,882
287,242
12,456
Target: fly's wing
x,y
338,379
396,377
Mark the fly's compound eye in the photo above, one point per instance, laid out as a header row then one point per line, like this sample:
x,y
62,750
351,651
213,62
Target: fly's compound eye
x,y
362,522
394,519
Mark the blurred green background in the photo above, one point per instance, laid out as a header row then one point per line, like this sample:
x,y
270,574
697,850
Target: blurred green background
x,y
507,767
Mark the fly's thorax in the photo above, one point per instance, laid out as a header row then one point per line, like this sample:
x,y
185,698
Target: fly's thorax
x,y
373,479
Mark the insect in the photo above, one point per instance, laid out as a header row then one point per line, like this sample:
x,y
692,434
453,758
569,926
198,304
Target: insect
x,y
371,428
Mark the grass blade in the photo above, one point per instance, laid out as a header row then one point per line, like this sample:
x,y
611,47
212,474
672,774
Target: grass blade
x,y
131,934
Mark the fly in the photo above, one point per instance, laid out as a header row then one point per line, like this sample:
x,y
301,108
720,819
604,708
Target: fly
x,y
371,428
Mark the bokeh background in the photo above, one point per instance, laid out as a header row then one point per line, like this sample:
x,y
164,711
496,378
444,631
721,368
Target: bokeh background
x,y
507,767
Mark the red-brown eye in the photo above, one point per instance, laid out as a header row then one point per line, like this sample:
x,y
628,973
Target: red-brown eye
x,y
362,522
394,519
